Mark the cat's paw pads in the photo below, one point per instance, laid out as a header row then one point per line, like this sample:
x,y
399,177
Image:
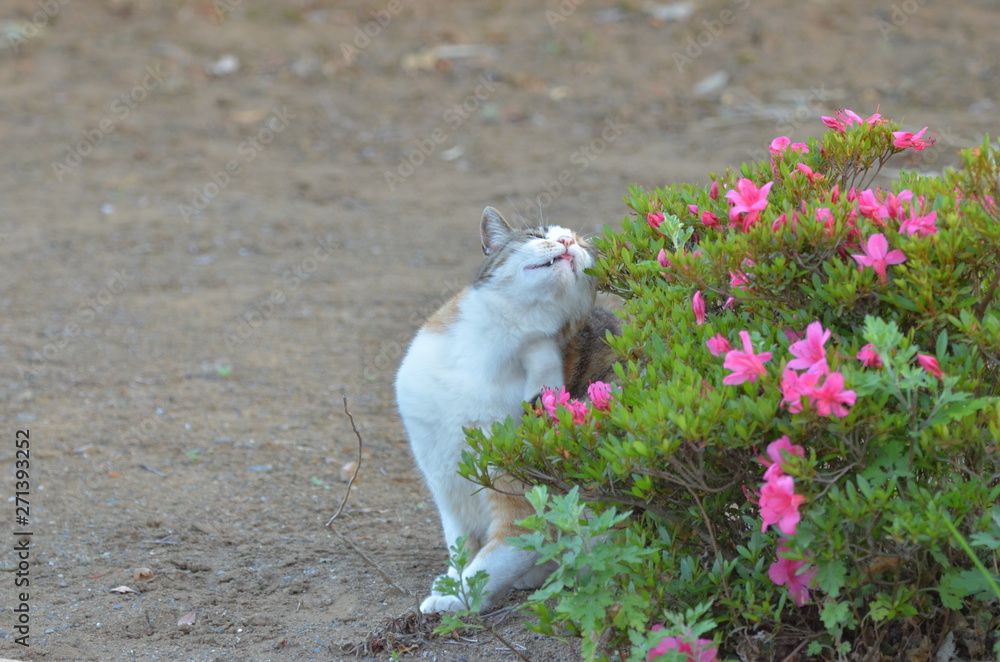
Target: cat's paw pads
x,y
435,604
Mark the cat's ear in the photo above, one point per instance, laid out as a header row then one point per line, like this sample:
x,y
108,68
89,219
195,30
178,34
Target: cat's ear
x,y
495,230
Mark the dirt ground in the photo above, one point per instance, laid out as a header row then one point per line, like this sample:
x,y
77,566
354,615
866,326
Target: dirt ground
x,y
217,218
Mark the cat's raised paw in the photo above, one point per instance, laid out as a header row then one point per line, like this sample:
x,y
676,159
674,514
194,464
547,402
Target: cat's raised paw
x,y
436,604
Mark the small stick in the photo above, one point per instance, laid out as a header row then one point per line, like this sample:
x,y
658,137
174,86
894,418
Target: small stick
x,y
385,577
357,466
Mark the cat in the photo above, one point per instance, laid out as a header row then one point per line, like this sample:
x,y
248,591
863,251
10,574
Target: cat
x,y
527,322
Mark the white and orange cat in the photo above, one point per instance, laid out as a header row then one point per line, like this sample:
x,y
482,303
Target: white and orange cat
x,y
526,323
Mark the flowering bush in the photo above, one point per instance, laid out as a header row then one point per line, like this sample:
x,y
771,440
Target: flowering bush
x,y
806,432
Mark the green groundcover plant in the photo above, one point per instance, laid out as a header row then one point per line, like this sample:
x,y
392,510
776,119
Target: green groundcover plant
x,y
801,453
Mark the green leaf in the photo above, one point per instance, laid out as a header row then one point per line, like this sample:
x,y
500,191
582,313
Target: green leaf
x,y
951,592
830,577
957,410
836,615
987,540
942,343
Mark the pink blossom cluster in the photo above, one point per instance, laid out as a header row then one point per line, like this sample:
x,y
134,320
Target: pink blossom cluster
x,y
599,394
822,388
699,650
779,507
828,398
899,207
779,146
842,120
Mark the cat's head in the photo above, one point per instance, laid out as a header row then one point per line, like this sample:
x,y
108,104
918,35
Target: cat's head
x,y
547,258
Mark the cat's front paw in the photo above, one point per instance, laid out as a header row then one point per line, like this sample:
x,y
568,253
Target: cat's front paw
x,y
435,604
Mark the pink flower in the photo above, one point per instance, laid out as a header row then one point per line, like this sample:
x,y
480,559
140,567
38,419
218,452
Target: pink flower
x,y
878,256
893,207
709,219
600,395
746,365
788,572
869,205
869,357
698,304
702,650
779,505
809,352
655,219
747,200
825,216
808,172
831,397
846,118
783,220
552,399
930,364
876,118
833,123
794,387
713,191
661,257
904,139
693,209
718,345
781,143
579,410
922,225
779,451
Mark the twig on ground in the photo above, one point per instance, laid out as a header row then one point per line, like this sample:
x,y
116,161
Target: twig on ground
x,y
350,543
357,465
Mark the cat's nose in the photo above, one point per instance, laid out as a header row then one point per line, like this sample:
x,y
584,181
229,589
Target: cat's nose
x,y
566,240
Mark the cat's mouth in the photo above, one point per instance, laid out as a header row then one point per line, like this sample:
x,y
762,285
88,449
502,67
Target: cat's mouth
x,y
565,256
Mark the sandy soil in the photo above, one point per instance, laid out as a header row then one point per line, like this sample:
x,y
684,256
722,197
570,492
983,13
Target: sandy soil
x,y
217,218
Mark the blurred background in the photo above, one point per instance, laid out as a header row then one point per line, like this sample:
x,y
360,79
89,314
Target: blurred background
x,y
217,217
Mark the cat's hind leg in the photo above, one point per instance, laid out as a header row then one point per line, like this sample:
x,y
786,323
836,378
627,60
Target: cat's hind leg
x,y
535,577
505,565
